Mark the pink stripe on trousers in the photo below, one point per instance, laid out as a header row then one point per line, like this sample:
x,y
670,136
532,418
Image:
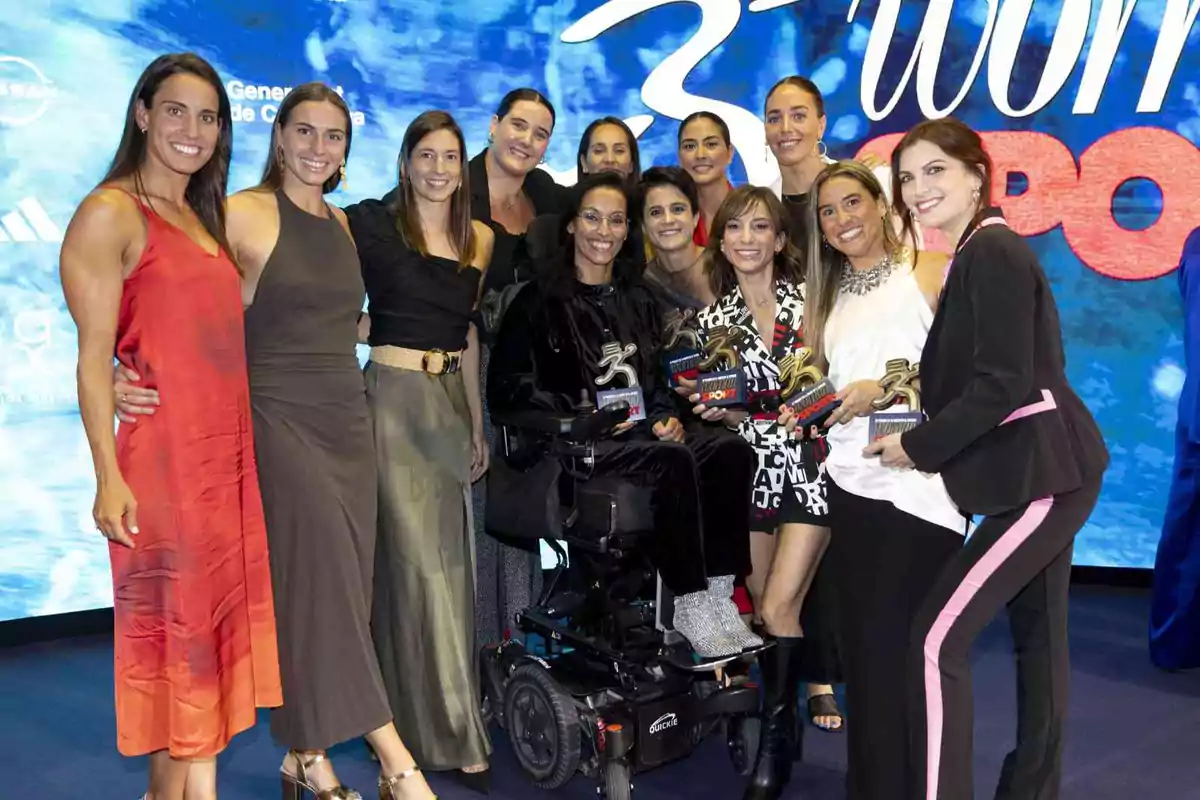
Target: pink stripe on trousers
x,y
974,580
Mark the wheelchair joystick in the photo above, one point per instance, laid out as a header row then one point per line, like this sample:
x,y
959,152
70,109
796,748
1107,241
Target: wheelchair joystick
x,y
585,404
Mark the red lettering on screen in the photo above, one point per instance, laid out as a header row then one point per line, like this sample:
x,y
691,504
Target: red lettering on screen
x,y
1079,197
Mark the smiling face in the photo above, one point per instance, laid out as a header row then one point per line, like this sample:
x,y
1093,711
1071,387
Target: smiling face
x,y
608,150
182,124
520,139
669,219
851,219
941,191
312,144
750,240
600,227
793,125
435,166
703,151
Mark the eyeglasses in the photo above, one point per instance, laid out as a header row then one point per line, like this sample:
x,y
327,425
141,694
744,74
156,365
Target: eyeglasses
x,y
595,221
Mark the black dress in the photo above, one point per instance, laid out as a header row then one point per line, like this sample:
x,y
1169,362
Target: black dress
x,y
551,347
508,570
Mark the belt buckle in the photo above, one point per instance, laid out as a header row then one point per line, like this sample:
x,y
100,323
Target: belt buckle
x,y
442,363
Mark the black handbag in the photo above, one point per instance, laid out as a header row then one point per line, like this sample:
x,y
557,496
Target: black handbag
x,y
523,505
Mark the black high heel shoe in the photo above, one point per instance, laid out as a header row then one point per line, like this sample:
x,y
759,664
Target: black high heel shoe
x,y
480,782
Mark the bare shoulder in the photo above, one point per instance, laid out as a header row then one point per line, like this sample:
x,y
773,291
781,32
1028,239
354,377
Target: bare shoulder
x,y
485,241
108,217
252,226
252,204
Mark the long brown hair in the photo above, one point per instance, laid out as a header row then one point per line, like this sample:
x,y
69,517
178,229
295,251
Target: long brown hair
x,y
315,92
206,189
955,139
408,219
825,261
789,262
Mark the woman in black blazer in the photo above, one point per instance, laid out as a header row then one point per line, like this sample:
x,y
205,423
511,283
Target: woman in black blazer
x,y
1015,446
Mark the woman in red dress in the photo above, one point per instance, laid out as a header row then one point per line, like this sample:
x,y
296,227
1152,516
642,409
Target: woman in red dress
x,y
147,276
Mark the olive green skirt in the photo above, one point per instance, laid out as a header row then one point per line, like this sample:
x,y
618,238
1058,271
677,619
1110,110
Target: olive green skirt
x,y
422,619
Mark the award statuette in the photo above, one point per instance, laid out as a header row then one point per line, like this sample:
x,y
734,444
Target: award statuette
x,y
726,387
808,393
681,347
612,361
901,383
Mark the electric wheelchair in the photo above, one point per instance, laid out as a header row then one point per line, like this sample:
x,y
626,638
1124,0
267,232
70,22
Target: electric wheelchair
x,y
614,690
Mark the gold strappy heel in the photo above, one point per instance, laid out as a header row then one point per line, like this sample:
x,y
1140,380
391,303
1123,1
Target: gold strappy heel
x,y
387,789
298,787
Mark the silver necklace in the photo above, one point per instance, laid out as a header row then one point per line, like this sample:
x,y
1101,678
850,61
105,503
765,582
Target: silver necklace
x,y
861,282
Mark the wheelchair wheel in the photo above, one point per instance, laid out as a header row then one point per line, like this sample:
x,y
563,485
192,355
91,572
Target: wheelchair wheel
x,y
742,734
617,780
543,727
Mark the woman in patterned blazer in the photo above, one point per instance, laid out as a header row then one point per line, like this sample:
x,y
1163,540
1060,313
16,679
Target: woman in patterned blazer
x,y
759,277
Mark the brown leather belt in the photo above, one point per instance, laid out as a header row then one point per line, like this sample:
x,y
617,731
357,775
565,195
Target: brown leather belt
x,y
434,362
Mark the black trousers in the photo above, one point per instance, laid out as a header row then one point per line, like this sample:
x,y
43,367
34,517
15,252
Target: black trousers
x,y
701,495
883,562
1021,558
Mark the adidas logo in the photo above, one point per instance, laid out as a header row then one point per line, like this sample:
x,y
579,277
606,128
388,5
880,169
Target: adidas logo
x,y
29,223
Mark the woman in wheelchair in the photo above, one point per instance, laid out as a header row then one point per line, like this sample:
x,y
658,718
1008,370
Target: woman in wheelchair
x,y
758,276
588,326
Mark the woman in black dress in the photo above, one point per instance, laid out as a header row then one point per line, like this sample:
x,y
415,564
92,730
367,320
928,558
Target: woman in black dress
x,y
508,191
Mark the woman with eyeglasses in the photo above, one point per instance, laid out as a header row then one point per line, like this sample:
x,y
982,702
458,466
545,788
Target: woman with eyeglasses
x,y
589,325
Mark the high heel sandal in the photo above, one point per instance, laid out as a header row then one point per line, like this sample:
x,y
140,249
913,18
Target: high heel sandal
x,y
387,790
298,787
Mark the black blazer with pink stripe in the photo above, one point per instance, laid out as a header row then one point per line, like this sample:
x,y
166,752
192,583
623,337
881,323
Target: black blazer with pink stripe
x,y
1005,428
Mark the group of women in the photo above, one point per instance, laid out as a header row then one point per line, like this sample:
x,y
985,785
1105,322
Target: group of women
x,y
285,536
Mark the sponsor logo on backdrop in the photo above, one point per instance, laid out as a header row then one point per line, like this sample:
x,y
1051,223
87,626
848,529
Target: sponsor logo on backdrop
x,y
259,102
25,91
28,222
1074,192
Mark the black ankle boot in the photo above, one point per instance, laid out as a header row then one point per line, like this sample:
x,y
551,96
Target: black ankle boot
x,y
781,740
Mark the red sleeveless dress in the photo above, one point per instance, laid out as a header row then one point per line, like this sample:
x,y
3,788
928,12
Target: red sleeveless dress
x,y
195,648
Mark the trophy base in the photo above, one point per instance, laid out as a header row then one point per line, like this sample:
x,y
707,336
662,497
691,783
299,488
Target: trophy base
x,y
721,389
637,404
814,405
883,425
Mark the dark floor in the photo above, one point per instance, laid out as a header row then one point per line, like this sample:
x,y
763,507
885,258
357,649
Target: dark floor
x,y
1133,734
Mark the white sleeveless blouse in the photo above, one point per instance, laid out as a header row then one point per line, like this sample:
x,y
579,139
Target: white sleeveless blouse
x,y
862,334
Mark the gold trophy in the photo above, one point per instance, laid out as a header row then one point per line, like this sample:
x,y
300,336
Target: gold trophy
x,y
901,383
809,394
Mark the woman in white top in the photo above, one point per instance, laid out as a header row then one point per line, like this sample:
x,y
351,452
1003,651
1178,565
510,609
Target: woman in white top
x,y
869,306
